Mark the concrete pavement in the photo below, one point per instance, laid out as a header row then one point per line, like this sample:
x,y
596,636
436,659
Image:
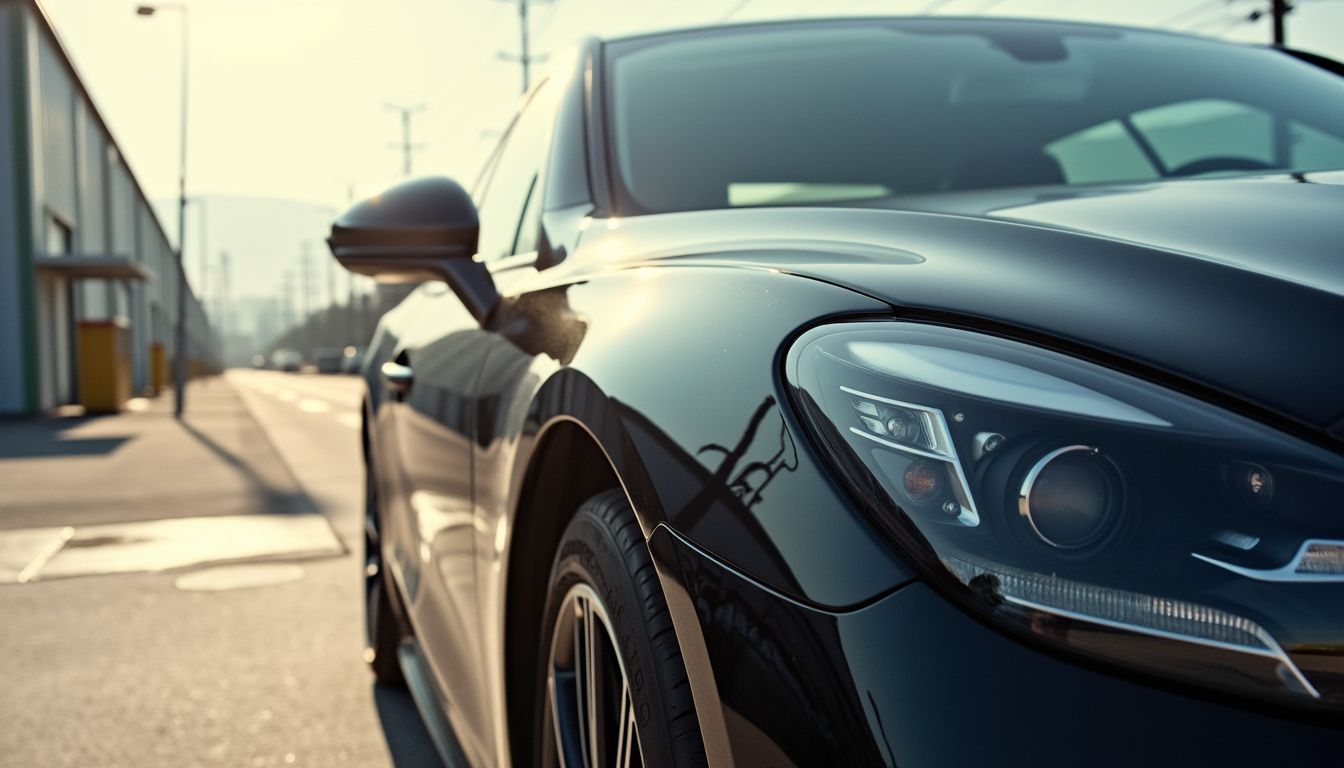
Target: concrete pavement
x,y
143,668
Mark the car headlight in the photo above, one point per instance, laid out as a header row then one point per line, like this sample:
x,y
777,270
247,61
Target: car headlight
x,y
1093,510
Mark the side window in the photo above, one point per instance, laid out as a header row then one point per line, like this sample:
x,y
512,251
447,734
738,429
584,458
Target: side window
x,y
530,226
512,180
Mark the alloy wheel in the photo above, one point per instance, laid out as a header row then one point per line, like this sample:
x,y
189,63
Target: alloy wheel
x,y
592,712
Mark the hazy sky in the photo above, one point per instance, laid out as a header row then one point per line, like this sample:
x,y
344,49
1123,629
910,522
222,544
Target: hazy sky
x,y
287,96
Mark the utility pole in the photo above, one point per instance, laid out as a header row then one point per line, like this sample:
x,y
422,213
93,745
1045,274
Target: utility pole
x,y
222,308
306,277
1278,9
287,302
524,56
222,292
202,210
407,148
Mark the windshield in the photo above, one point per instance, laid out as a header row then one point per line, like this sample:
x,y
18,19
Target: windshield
x,y
805,114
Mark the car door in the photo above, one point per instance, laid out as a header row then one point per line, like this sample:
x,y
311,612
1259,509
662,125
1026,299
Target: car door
x,y
434,426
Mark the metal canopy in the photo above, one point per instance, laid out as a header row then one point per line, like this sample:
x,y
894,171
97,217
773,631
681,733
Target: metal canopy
x,y
102,267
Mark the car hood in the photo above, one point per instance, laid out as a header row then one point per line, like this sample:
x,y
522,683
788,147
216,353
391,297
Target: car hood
x,y
1282,226
1233,286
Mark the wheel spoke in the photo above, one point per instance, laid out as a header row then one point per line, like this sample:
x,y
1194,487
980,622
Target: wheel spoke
x,y
557,729
589,700
592,683
625,738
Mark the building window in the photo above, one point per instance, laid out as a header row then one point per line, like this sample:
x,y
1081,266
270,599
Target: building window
x,y
60,237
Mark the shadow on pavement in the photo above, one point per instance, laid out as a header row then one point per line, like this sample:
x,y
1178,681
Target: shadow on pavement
x,y
43,438
408,742
275,500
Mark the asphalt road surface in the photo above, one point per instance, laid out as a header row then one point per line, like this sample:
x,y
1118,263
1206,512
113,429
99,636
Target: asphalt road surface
x,y
252,664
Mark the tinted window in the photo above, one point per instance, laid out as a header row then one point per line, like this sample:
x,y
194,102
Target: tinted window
x,y
830,112
513,178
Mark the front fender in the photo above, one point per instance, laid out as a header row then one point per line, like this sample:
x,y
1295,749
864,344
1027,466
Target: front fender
x,y
676,375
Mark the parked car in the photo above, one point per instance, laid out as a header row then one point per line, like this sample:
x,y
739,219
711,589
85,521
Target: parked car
x,y
913,391
288,360
329,359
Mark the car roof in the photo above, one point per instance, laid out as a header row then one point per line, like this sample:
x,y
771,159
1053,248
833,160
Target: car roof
x,y
968,22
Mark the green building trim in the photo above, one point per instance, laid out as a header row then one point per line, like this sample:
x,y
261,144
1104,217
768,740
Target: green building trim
x,y
23,197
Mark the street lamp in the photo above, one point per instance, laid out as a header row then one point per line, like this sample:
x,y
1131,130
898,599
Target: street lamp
x,y
180,335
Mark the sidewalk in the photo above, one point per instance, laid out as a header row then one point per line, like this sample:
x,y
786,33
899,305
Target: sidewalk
x,y
144,465
143,491
161,664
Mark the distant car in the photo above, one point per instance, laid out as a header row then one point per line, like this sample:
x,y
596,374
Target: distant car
x,y
353,360
288,360
329,359
952,392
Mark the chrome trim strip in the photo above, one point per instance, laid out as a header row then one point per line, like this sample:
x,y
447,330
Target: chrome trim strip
x,y
944,450
515,261
1286,573
942,437
1028,483
1272,649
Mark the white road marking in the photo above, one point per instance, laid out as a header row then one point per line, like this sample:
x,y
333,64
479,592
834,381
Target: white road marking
x,y
313,405
226,577
20,549
43,557
158,545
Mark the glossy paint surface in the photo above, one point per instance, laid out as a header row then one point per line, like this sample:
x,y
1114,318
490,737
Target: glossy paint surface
x,y
910,680
1230,286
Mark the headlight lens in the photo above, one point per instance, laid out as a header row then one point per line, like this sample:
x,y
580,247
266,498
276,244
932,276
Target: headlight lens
x,y
1093,510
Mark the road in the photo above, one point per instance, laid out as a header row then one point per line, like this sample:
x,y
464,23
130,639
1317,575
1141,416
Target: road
x,y
161,664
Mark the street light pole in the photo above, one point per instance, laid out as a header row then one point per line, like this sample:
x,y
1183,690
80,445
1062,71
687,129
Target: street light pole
x,y
180,336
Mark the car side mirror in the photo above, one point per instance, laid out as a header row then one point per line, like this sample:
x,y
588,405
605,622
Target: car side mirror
x,y
420,230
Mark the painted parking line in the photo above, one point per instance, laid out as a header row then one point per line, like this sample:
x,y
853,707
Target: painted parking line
x,y
159,545
24,552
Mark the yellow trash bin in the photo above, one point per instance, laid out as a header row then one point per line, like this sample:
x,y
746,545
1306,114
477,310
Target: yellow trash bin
x,y
158,367
104,365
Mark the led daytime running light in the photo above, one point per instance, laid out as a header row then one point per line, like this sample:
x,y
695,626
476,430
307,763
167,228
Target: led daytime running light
x,y
1156,616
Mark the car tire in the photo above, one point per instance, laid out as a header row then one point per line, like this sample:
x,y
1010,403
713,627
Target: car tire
x,y
602,576
382,631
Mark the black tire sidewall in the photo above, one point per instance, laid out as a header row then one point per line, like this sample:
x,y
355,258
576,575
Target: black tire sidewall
x,y
610,562
382,632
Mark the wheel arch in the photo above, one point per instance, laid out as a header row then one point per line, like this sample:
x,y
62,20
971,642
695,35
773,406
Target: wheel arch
x,y
566,467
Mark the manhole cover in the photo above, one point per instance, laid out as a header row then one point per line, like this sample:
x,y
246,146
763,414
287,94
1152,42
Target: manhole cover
x,y
238,577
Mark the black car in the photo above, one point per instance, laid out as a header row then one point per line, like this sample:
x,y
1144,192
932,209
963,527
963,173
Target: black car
x,y
860,392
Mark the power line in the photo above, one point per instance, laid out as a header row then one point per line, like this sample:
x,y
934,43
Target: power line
x,y
931,7
1196,24
737,7
1192,11
1225,25
407,148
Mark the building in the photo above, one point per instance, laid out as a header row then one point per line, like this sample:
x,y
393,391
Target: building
x,y
88,285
